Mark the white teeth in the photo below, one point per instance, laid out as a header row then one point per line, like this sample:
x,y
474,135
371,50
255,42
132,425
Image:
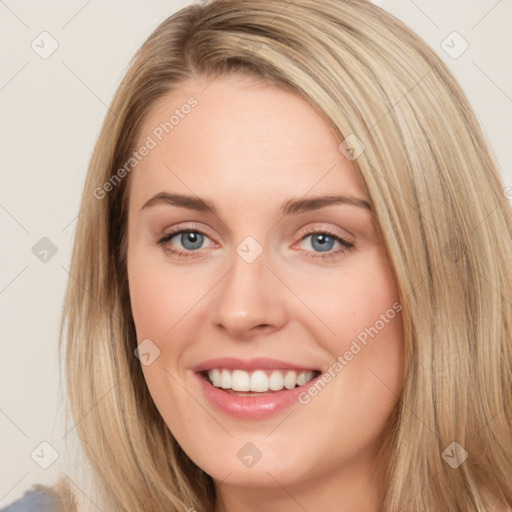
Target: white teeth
x,y
259,380
240,380
225,380
301,378
216,377
276,381
290,380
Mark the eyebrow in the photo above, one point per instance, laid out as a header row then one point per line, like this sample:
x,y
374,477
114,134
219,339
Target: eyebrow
x,y
290,207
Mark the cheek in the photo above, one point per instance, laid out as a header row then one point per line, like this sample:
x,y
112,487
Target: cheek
x,y
159,296
362,310
352,300
160,299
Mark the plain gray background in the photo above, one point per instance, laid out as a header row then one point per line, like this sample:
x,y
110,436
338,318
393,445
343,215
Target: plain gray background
x,y
51,112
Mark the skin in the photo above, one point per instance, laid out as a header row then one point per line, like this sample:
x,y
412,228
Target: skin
x,y
248,147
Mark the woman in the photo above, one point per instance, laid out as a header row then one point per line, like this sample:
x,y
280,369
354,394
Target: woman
x,y
291,284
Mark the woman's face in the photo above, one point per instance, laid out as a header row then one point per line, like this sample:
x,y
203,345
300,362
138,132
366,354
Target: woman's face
x,y
246,271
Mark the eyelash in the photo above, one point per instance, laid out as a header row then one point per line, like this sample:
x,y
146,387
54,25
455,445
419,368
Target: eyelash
x,y
347,246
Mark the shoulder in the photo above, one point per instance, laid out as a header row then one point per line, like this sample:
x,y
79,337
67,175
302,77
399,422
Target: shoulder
x,y
39,498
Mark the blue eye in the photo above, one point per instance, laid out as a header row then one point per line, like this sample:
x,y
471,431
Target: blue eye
x,y
323,242
192,240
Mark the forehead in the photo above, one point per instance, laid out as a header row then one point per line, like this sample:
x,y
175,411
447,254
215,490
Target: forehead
x,y
239,137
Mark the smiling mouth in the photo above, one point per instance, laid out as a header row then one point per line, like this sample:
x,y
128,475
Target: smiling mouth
x,y
257,382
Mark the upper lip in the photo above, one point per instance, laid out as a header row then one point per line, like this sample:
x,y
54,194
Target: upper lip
x,y
257,363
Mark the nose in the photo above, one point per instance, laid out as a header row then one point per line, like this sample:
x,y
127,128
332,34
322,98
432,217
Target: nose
x,y
249,300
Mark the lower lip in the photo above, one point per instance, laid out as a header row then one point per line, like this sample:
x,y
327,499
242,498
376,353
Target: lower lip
x,y
251,407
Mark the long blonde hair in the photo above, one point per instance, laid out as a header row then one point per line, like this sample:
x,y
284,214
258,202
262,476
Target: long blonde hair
x,y
438,201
